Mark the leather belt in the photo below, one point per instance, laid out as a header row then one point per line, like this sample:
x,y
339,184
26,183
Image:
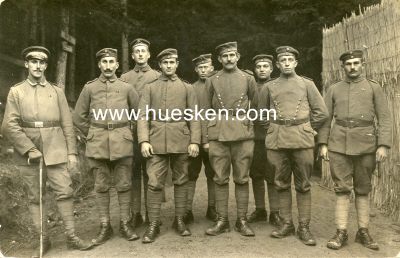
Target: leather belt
x,y
290,121
351,123
40,124
109,126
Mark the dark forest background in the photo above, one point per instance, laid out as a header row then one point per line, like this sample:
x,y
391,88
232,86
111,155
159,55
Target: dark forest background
x,y
192,26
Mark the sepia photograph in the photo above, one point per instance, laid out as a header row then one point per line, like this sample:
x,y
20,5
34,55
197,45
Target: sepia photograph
x,y
199,128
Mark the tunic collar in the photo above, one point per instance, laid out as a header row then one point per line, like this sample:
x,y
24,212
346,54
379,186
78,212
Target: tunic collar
x,y
144,69
166,78
358,79
104,79
41,83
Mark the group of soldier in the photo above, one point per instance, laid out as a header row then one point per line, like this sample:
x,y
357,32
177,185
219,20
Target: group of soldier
x,y
123,153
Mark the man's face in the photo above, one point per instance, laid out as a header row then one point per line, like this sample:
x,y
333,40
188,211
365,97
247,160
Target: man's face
x,y
229,59
108,65
36,67
263,70
353,67
141,54
168,66
286,64
203,70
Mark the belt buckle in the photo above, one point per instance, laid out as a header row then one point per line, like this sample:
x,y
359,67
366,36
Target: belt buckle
x,y
110,126
287,121
39,124
351,124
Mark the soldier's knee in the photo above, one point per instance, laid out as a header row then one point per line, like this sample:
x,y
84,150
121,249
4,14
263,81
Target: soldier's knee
x,y
155,188
303,189
241,181
101,188
221,180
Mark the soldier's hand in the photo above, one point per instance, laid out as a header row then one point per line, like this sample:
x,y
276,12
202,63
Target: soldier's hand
x,y
323,152
147,150
72,163
381,153
206,146
34,155
193,150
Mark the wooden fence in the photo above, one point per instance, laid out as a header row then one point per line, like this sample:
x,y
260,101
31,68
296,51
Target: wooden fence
x,y
376,30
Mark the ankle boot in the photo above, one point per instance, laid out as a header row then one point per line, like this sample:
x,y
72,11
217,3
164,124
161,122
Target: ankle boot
x,y
188,218
221,226
152,230
284,231
304,234
339,240
180,226
275,219
363,237
211,213
74,242
126,231
105,233
46,248
243,227
258,215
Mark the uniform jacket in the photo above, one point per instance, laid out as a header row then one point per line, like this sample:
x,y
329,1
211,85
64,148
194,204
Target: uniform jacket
x,y
231,90
103,94
259,129
43,102
201,93
138,77
168,136
360,99
292,97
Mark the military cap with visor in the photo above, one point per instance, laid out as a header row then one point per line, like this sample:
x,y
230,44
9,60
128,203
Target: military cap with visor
x,y
263,58
356,53
107,52
202,59
138,42
35,52
286,51
167,53
226,47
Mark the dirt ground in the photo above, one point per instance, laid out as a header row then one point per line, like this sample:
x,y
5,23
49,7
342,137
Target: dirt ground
x,y
231,244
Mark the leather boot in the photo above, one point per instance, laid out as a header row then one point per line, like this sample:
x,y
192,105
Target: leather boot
x,y
180,226
275,219
211,213
74,242
188,218
243,227
106,232
363,237
137,220
339,240
146,218
258,215
152,230
46,248
304,234
127,231
221,226
287,229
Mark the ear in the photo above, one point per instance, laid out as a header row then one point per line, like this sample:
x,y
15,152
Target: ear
x,y
238,55
219,59
296,63
211,68
116,65
177,63
26,64
98,64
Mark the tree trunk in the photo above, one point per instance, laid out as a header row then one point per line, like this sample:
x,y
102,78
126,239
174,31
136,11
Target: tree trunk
x,y
62,55
33,35
124,39
70,92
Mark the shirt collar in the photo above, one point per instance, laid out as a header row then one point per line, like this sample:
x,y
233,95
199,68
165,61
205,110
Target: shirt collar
x,y
104,79
144,69
347,79
166,78
41,83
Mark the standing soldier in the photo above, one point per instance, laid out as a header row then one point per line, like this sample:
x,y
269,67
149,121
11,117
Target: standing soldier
x,y
290,139
354,144
139,76
167,138
203,68
259,170
231,137
109,145
38,123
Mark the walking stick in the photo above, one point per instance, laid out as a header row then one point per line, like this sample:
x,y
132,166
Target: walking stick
x,y
41,205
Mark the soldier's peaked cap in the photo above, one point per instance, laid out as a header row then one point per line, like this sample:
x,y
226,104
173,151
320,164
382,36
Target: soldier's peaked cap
x,y
229,46
286,50
355,53
263,58
140,41
167,53
202,59
35,52
106,52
